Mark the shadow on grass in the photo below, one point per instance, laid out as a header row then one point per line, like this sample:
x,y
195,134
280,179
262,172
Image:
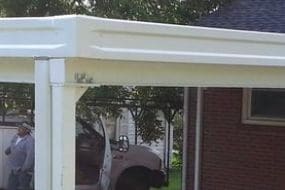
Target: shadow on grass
x,y
175,179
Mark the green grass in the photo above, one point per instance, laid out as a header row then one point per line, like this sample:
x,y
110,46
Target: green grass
x,y
175,178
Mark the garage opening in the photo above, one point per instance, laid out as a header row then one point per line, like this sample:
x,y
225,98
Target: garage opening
x,y
144,131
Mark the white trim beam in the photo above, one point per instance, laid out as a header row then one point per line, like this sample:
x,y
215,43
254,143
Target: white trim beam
x,y
21,70
169,74
17,70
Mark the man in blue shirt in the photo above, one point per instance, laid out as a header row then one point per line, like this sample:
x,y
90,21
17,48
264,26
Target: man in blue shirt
x,y
21,158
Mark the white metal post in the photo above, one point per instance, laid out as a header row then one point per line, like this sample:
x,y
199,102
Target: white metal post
x,y
198,138
63,143
55,126
63,130
63,127
185,136
43,125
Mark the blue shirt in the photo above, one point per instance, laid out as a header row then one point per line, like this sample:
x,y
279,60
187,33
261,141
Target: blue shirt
x,y
22,155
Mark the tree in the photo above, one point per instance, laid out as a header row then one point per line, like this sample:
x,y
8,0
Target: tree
x,y
163,11
16,99
23,8
142,102
178,139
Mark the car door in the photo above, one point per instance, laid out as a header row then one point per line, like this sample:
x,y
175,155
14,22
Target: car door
x,y
93,155
105,172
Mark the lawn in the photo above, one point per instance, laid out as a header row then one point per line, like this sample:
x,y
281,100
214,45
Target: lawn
x,y
174,180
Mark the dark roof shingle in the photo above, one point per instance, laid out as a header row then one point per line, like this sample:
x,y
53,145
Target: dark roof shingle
x,y
256,15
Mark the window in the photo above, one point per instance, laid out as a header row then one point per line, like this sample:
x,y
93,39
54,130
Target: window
x,y
90,149
264,106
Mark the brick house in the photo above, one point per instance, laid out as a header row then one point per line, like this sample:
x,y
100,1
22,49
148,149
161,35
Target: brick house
x,y
242,135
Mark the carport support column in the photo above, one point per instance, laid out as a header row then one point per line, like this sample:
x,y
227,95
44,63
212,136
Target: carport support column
x,y
63,127
43,125
63,137
55,126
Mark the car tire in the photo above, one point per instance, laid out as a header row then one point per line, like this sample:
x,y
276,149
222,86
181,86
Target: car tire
x,y
131,181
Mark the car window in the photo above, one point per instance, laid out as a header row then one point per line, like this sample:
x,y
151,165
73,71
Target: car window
x,y
90,148
89,129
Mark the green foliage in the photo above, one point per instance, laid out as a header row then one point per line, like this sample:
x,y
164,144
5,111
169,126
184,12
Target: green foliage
x,y
105,100
176,161
169,100
149,126
178,137
16,98
175,180
163,11
144,103
23,8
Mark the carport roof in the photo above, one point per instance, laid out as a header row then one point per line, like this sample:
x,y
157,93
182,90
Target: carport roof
x,y
119,52
98,38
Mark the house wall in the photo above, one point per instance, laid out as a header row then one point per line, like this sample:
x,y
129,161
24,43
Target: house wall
x,y
235,156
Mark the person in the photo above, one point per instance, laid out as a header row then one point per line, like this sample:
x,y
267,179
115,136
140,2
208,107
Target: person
x,y
21,158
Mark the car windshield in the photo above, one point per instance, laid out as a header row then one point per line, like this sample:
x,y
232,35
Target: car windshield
x,y
90,130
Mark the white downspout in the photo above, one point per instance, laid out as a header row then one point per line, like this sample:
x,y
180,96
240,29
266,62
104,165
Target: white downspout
x,y
185,136
198,137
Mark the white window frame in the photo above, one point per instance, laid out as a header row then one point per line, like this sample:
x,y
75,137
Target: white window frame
x,y
247,118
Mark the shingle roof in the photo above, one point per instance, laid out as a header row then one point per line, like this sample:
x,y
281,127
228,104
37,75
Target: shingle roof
x,y
256,15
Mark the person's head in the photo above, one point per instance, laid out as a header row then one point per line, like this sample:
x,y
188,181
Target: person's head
x,y
24,129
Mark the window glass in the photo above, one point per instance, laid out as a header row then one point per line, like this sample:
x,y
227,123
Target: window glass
x,y
90,146
268,103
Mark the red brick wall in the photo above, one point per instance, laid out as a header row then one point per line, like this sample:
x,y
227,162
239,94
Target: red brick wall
x,y
235,156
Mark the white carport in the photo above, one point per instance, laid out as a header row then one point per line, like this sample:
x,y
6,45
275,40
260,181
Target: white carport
x,y
64,55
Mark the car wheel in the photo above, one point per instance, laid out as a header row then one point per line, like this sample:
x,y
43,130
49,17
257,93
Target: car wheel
x,y
131,181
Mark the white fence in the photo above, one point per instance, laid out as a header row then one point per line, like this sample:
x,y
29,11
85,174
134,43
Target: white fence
x,y
6,134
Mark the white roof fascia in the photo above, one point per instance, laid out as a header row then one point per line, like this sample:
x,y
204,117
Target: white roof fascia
x,y
38,37
140,41
109,39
